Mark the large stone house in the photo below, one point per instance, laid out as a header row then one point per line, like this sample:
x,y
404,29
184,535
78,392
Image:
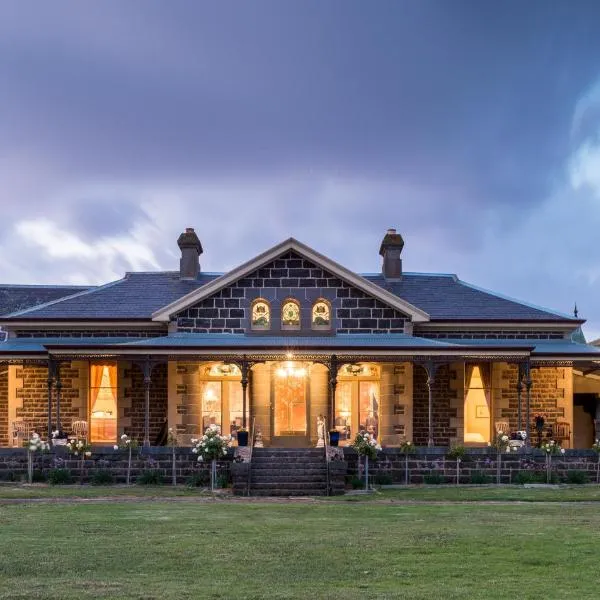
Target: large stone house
x,y
286,337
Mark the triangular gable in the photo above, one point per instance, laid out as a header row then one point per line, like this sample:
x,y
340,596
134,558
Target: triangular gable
x,y
416,314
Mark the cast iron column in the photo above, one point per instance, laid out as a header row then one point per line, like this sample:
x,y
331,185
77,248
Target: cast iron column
x,y
430,368
333,370
147,381
519,393
58,389
528,383
50,383
245,370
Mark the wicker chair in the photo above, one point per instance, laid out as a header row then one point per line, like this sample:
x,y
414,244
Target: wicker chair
x,y
502,426
20,432
561,432
80,430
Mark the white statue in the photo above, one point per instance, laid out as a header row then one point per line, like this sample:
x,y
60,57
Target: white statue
x,y
320,431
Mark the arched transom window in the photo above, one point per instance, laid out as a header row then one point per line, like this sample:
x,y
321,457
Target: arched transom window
x,y
321,315
290,315
261,314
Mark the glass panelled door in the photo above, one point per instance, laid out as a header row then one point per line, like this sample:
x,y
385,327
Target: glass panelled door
x,y
290,400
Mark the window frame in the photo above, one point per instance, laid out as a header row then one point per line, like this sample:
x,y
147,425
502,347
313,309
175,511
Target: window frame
x,y
316,326
253,326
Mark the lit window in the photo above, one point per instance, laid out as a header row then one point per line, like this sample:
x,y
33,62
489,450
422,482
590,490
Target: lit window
x,y
321,315
290,315
261,315
103,404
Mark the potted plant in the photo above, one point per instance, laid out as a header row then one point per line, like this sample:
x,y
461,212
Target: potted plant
x,y
242,436
59,438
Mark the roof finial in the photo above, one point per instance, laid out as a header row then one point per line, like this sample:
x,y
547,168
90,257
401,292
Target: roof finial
x,y
575,311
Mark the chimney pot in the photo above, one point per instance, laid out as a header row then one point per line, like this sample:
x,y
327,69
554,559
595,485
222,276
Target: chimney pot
x,y
191,249
390,249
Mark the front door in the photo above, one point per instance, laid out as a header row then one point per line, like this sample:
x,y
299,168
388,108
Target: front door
x,y
290,406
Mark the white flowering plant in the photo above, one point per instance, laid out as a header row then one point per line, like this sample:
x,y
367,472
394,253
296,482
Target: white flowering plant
x,y
126,443
551,448
212,444
501,443
36,444
407,447
366,444
596,447
79,448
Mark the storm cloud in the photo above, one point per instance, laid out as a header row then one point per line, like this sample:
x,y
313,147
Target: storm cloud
x,y
473,127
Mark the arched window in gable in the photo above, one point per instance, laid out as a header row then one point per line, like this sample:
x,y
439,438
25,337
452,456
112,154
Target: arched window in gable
x,y
261,315
290,314
321,315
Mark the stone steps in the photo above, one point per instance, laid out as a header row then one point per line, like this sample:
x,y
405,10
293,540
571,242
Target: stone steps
x,y
288,472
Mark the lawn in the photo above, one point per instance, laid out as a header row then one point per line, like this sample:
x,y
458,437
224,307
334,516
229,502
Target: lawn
x,y
160,549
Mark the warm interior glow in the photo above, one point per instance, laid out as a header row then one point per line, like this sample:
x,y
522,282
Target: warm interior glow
x,y
477,410
288,369
103,400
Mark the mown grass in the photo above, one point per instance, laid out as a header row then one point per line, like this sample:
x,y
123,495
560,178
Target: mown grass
x,y
163,550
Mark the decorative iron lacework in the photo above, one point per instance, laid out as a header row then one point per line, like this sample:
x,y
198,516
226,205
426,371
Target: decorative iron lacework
x,y
491,334
261,315
321,315
290,314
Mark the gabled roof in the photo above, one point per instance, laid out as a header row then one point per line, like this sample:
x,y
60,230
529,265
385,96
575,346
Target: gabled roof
x,y
15,298
375,291
142,296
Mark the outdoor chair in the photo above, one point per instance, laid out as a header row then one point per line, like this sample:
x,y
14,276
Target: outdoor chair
x,y
561,432
80,430
503,427
20,432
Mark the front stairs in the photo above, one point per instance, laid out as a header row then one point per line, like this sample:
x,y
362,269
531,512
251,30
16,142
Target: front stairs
x,y
291,472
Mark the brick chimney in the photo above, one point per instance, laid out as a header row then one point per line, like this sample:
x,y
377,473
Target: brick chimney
x,y
191,249
391,247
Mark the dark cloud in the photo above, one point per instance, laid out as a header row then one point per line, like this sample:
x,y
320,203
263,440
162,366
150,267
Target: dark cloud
x,y
327,120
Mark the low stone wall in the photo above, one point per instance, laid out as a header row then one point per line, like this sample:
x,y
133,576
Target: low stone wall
x,y
13,464
428,462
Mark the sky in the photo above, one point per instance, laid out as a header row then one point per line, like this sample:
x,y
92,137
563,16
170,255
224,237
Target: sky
x,y
472,127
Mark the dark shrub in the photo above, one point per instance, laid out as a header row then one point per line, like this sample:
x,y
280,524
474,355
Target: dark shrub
x,y
434,479
200,479
59,476
8,476
102,478
151,477
223,480
577,477
480,478
383,479
356,482
38,476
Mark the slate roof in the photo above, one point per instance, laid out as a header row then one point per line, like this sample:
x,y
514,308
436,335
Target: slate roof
x,y
138,295
20,297
446,297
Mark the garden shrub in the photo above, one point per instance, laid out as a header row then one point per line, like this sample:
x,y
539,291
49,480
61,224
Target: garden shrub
x,y
200,479
151,477
577,477
102,478
434,479
38,476
480,478
223,480
59,477
356,482
8,476
383,479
